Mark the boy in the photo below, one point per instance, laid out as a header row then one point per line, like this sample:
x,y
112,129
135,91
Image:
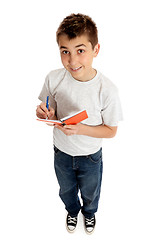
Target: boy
x,y
78,148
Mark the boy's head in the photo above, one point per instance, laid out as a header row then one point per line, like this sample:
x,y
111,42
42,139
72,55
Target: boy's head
x,y
78,43
77,25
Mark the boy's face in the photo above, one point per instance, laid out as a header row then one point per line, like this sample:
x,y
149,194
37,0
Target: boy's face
x,y
77,56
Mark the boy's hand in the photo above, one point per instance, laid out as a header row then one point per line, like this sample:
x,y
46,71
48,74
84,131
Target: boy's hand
x,y
70,130
43,112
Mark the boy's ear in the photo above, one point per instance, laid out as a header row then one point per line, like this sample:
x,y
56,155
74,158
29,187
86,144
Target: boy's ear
x,y
96,49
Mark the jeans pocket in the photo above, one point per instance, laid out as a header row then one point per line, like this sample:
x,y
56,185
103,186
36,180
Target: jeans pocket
x,y
96,157
56,150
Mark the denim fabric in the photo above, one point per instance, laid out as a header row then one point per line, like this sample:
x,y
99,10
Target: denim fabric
x,y
82,173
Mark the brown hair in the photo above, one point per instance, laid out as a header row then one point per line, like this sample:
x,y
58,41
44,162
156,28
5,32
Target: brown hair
x,y
76,25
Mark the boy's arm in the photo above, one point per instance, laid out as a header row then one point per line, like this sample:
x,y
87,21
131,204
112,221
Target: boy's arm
x,y
101,131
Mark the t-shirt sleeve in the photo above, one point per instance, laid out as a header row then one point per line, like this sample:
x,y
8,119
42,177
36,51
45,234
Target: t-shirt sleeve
x,y
112,111
47,92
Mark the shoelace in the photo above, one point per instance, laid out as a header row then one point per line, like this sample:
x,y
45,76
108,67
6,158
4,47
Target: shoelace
x,y
72,220
90,221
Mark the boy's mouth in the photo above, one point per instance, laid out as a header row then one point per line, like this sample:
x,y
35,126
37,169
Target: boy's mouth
x,y
75,69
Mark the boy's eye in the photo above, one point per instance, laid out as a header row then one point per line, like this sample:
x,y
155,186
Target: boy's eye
x,y
65,52
80,51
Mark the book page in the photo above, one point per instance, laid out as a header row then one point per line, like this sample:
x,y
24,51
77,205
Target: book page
x,y
65,118
49,121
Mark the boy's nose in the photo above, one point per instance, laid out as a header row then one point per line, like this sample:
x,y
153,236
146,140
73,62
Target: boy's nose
x,y
73,60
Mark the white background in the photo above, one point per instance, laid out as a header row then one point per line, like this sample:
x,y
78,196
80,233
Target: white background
x,y
129,36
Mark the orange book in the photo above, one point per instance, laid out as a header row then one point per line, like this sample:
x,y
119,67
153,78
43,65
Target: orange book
x,y
69,120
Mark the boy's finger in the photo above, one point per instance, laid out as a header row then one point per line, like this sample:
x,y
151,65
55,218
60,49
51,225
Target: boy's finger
x,y
69,126
51,109
40,112
40,109
57,126
43,107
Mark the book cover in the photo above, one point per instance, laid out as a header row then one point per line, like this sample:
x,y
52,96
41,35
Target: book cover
x,y
69,120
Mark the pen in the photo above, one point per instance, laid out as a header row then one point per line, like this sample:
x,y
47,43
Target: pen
x,y
47,104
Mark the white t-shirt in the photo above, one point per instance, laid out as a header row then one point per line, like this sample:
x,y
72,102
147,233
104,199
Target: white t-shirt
x,y
67,96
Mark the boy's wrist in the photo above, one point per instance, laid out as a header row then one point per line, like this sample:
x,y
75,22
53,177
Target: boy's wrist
x,y
81,130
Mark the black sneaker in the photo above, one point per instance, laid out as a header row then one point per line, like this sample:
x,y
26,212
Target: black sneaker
x,y
89,224
71,223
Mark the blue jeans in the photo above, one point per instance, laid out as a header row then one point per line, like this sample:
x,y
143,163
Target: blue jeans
x,y
82,173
